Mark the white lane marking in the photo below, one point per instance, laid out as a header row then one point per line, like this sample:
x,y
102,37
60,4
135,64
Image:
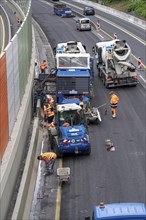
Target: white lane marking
x,y
142,78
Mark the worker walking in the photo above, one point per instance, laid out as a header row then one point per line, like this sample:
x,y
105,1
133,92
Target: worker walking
x,y
114,99
43,66
49,159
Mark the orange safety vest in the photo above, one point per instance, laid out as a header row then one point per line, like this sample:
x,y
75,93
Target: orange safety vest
x,y
114,100
49,112
49,155
43,65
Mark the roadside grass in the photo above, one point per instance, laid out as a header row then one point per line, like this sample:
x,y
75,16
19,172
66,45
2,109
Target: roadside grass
x,y
136,8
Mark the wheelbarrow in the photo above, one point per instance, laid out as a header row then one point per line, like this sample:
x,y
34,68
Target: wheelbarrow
x,y
63,174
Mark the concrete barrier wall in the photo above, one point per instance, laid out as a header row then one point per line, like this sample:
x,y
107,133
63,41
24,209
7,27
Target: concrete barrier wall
x,y
26,178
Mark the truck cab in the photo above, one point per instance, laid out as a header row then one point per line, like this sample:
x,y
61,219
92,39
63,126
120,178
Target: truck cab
x,y
70,135
74,74
119,211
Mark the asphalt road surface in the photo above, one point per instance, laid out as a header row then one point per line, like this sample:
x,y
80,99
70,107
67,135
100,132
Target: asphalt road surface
x,y
118,176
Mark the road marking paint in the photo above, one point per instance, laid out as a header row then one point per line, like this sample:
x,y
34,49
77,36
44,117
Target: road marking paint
x,y
3,37
142,78
123,29
58,199
100,35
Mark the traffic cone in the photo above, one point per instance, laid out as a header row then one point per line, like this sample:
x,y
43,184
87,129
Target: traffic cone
x,y
115,36
98,25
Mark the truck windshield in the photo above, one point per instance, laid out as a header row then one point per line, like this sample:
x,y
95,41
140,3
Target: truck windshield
x,y
73,62
71,117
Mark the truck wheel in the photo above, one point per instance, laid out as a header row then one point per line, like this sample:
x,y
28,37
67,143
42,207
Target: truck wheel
x,y
103,80
88,121
106,85
97,121
57,151
99,73
51,141
87,152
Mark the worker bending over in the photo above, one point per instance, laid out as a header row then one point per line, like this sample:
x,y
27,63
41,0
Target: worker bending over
x,y
49,159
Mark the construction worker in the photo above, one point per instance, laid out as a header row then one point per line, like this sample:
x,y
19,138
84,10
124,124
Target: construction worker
x,y
43,66
50,100
86,102
93,50
49,159
114,99
48,114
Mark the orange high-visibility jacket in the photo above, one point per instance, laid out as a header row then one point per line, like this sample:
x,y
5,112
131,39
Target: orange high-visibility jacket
x,y
49,155
114,99
49,112
43,65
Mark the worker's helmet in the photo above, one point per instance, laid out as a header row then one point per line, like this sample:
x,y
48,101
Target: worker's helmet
x,y
48,96
81,104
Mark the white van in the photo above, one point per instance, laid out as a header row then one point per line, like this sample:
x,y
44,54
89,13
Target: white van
x,y
83,24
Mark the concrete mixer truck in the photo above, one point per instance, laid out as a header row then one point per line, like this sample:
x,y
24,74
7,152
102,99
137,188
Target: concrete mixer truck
x,y
114,63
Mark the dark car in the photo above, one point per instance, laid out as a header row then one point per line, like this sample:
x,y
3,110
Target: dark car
x,y
88,11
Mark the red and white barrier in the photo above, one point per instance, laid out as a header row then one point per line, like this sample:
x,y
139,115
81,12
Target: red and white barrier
x,y
139,63
98,25
115,36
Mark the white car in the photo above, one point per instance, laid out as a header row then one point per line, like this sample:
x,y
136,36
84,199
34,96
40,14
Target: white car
x,y
83,24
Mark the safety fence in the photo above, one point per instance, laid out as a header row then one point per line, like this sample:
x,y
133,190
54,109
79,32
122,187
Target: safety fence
x,y
14,71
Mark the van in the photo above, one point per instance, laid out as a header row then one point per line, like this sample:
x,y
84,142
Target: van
x,y
83,24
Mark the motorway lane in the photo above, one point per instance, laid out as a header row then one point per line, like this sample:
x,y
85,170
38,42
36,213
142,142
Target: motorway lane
x,y
3,30
125,30
102,176
132,28
6,32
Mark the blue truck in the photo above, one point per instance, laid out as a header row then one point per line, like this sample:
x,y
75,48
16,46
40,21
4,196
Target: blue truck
x,y
63,10
73,86
74,76
119,211
69,133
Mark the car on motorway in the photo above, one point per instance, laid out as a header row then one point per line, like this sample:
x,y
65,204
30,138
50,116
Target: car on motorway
x,y
88,11
83,24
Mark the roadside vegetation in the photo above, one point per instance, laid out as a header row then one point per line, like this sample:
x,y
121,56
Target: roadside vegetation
x,y
134,7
